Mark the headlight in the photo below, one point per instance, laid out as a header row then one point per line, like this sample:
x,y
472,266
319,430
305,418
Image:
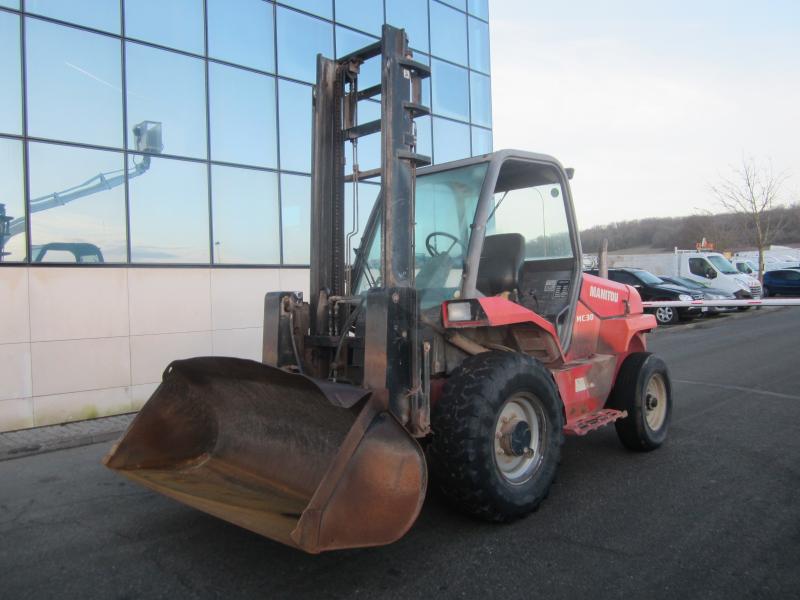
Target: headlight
x,y
685,298
459,311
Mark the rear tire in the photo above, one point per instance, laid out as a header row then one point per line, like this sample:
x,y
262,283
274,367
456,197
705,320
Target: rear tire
x,y
643,389
497,436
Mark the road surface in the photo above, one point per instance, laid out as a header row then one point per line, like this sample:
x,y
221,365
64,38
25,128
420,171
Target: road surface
x,y
715,513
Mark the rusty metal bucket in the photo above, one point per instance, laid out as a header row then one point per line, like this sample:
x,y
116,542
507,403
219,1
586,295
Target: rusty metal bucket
x,y
314,465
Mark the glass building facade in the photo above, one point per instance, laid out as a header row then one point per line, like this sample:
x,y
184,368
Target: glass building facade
x,y
140,132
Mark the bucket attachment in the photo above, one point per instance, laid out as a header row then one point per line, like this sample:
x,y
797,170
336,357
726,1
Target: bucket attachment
x,y
315,465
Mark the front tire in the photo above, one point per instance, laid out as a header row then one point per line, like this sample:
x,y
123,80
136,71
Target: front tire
x,y
497,436
666,315
643,389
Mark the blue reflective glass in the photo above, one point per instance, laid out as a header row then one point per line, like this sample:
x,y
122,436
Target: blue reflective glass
x,y
481,99
323,8
241,32
245,216
369,147
10,75
300,39
296,218
74,84
481,141
12,202
450,90
448,33
242,114
99,14
366,15
10,3
411,15
450,140
348,41
294,103
424,139
168,88
177,23
168,206
77,204
479,8
479,45
460,4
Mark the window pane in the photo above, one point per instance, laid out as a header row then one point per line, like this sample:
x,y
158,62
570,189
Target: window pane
x,y
241,31
369,147
450,140
295,119
478,45
168,88
296,217
245,213
177,23
77,204
461,4
411,15
12,202
100,14
367,194
481,94
450,90
348,41
10,75
479,8
323,8
424,139
242,116
169,212
366,15
448,33
481,141
74,85
10,3
300,39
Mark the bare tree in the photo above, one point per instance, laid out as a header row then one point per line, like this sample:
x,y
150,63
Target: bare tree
x,y
753,190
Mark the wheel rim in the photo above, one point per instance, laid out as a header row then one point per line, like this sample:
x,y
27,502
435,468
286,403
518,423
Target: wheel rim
x,y
655,402
664,314
520,434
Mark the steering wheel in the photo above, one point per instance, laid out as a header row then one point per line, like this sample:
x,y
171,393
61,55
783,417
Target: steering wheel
x,y
434,252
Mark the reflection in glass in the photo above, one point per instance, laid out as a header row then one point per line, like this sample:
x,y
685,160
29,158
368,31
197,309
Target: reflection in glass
x,y
12,202
411,15
448,33
296,217
450,140
481,99
168,88
169,212
177,23
77,204
300,39
366,15
323,8
479,45
99,14
479,8
348,41
10,76
242,113
295,125
481,141
246,217
74,84
450,90
241,32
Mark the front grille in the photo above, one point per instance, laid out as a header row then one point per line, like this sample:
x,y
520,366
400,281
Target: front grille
x,y
755,291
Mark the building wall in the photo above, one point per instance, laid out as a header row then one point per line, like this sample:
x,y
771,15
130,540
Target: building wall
x,y
192,231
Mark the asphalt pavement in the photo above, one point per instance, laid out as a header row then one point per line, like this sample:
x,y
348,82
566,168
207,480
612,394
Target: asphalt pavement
x,y
714,513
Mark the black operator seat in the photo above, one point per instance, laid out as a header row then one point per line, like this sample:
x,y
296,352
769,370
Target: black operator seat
x,y
501,259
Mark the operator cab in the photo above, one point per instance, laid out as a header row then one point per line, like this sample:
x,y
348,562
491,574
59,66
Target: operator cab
x,y
501,224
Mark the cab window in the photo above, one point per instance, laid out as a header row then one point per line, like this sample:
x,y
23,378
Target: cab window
x,y
701,268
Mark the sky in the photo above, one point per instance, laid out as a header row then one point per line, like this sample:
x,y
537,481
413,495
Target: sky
x,y
651,102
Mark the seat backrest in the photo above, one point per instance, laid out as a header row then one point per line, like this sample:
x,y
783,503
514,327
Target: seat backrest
x,y
501,259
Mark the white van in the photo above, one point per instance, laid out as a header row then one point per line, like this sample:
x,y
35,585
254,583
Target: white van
x,y
704,267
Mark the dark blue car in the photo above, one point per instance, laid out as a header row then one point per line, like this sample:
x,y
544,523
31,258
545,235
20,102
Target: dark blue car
x,y
782,281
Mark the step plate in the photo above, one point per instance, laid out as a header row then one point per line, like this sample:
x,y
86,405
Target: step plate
x,y
593,421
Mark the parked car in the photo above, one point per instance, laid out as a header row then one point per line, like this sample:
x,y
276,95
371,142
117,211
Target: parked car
x,y
785,282
709,293
653,288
